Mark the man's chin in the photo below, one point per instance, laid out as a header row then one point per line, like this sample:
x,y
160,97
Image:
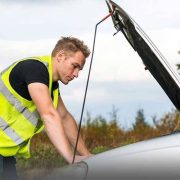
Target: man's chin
x,y
66,82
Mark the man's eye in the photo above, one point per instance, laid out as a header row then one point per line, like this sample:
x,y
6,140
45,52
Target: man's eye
x,y
75,66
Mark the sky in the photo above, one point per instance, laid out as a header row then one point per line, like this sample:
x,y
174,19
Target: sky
x,y
31,28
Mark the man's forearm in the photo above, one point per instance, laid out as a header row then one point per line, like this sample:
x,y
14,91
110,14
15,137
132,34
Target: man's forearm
x,y
71,130
56,134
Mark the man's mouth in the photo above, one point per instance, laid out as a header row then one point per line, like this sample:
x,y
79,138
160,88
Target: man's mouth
x,y
70,79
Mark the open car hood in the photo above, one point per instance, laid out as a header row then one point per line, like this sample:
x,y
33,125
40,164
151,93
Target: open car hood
x,y
150,55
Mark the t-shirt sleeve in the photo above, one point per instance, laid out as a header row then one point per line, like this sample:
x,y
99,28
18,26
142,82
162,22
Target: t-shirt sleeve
x,y
35,71
27,72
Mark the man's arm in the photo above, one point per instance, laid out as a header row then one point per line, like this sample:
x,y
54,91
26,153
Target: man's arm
x,y
71,129
53,123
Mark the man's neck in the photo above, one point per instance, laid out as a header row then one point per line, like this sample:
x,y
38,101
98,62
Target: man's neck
x,y
54,70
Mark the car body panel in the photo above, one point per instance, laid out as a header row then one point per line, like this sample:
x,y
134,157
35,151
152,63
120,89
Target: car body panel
x,y
157,158
151,159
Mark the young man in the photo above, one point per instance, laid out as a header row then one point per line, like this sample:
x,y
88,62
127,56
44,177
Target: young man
x,y
30,101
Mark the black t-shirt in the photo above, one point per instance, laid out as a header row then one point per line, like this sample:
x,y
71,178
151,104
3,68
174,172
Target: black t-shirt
x,y
26,72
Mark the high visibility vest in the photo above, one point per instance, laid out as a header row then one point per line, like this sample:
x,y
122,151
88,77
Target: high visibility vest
x,y
19,119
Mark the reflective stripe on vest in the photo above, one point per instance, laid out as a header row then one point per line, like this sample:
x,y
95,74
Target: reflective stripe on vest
x,y
10,132
32,117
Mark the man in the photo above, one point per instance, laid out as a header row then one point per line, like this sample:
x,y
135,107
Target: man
x,y
30,101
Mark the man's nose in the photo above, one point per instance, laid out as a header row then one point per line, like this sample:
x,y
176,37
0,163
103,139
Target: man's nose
x,y
76,73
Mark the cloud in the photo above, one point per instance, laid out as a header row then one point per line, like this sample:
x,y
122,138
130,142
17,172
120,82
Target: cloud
x,y
153,14
26,20
114,59
14,50
168,42
40,2
127,96
31,21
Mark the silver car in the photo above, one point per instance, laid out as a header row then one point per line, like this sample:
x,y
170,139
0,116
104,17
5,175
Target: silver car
x,y
158,158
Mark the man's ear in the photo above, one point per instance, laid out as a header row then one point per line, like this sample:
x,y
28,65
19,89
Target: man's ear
x,y
60,55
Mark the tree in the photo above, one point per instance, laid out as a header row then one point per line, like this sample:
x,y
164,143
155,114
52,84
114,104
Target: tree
x,y
140,120
114,113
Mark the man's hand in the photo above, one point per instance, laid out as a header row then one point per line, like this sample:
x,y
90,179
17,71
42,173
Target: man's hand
x,y
79,158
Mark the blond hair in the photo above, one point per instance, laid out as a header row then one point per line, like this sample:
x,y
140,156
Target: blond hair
x,y
71,45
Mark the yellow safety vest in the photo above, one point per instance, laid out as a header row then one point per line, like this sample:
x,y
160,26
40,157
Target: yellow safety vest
x,y
19,119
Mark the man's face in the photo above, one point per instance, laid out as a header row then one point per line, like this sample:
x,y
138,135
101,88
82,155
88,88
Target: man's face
x,y
70,66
